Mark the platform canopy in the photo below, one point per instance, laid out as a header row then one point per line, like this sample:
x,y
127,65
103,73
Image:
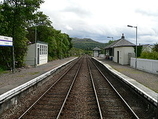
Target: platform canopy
x,y
96,49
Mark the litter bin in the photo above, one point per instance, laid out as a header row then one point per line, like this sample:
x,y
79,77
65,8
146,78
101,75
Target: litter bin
x,y
111,58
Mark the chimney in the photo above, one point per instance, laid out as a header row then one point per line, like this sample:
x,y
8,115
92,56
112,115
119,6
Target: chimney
x,y
123,37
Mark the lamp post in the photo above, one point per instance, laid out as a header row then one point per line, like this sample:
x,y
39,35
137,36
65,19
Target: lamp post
x,y
110,52
110,37
35,47
36,34
136,44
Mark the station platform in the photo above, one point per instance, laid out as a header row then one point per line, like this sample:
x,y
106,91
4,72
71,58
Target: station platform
x,y
13,86
143,82
9,80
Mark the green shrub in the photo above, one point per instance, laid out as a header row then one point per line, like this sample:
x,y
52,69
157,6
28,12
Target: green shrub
x,y
149,55
1,70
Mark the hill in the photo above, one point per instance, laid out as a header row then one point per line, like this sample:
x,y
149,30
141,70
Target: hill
x,y
87,44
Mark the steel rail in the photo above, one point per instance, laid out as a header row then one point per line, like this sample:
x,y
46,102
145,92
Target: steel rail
x,y
95,92
67,95
48,89
134,114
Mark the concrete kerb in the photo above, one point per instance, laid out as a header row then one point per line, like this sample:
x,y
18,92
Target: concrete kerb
x,y
25,86
141,89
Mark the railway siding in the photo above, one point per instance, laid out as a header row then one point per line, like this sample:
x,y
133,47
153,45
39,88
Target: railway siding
x,y
141,89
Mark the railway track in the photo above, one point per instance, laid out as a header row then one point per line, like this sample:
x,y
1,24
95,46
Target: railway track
x,y
49,104
81,92
142,107
112,104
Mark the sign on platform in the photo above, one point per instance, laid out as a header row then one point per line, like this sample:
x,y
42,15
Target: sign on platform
x,y
6,41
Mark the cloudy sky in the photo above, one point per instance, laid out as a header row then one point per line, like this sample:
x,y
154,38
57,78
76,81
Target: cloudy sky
x,y
99,19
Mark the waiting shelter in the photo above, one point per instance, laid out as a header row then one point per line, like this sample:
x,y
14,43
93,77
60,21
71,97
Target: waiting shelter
x,y
37,54
96,52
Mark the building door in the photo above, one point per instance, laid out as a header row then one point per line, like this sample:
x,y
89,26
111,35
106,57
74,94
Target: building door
x,y
118,56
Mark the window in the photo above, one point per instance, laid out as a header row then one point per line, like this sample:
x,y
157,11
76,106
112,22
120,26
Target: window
x,y
43,49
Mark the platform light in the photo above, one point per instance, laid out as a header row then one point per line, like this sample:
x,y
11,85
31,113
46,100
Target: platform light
x,y
110,37
136,43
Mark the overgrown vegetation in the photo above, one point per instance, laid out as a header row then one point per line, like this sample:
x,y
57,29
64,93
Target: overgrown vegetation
x,y
1,70
76,52
139,50
155,47
19,19
151,55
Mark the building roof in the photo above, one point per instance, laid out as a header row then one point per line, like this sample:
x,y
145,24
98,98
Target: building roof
x,y
120,43
42,42
96,48
147,47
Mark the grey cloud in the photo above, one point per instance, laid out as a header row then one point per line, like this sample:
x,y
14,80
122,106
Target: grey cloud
x,y
98,31
78,10
146,12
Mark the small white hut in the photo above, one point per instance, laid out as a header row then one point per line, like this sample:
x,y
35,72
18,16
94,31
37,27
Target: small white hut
x,y
120,51
96,52
37,54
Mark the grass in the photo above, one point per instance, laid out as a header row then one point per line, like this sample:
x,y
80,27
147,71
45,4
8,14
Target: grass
x,y
2,71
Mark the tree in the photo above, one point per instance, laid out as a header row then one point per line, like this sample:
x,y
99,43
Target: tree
x,y
139,50
15,17
151,55
19,19
155,47
59,43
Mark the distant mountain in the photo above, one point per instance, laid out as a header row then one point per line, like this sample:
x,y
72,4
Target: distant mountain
x,y
87,44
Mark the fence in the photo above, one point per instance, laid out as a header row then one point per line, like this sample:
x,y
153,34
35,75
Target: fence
x,y
147,65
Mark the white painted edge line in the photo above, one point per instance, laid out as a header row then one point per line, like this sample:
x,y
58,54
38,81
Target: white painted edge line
x,y
148,93
30,83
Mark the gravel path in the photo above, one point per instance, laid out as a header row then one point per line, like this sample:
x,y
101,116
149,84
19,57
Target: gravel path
x,y
11,80
147,79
